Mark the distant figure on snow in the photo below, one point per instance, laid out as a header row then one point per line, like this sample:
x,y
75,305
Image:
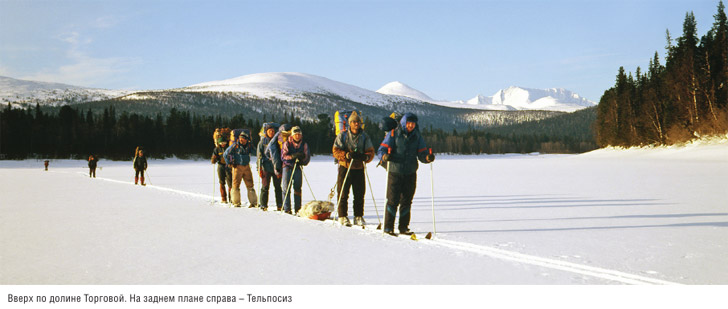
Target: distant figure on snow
x,y
92,161
224,174
140,165
45,163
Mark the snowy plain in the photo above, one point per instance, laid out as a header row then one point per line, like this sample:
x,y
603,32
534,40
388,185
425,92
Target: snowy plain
x,y
609,217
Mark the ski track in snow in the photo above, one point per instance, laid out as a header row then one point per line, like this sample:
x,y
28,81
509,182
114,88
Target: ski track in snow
x,y
495,253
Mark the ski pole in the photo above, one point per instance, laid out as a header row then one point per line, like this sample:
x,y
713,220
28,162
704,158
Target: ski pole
x,y
309,185
343,185
386,188
258,167
290,182
148,177
214,177
432,189
371,191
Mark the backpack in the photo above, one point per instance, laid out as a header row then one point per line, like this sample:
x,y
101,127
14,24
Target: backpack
x,y
391,122
220,133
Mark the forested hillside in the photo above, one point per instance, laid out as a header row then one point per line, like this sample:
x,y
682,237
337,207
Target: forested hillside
x,y
683,99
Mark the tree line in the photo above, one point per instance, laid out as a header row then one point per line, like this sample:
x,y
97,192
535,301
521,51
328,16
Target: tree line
x,y
75,134
672,103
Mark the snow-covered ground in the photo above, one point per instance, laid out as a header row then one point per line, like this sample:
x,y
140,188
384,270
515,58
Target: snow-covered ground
x,y
649,216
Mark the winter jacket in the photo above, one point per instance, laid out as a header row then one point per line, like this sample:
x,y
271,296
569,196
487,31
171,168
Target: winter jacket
x,y
238,154
404,149
92,161
140,163
263,160
218,155
358,143
290,147
273,153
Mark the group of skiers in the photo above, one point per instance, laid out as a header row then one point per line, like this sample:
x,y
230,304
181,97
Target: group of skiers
x,y
282,153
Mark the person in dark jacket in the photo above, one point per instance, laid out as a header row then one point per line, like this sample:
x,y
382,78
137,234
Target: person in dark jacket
x,y
224,173
237,155
92,161
353,147
140,165
401,149
273,152
295,155
266,170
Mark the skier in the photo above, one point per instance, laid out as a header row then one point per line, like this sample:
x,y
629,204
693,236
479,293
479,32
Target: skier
x,y
224,174
353,149
273,152
45,163
399,151
237,155
266,170
92,160
140,165
294,154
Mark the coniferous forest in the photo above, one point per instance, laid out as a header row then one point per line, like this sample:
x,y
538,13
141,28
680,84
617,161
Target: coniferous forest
x,y
72,133
672,103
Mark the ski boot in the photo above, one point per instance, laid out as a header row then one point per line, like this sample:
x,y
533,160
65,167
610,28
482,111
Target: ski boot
x,y
406,232
344,221
359,221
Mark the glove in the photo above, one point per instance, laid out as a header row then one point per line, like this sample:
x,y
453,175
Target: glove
x,y
360,156
298,156
430,158
234,165
385,158
261,173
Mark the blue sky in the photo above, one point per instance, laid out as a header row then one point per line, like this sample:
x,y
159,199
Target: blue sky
x,y
448,49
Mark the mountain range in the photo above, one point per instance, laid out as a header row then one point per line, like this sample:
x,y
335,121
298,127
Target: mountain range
x,y
291,86
26,93
511,98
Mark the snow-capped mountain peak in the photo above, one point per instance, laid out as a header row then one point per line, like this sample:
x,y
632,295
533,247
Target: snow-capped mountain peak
x,y
400,89
541,99
480,100
25,92
289,86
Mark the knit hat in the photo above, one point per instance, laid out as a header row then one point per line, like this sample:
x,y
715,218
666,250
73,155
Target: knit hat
x,y
221,140
354,117
245,135
296,130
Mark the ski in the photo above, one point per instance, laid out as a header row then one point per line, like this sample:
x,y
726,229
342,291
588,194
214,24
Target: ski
x,y
412,236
